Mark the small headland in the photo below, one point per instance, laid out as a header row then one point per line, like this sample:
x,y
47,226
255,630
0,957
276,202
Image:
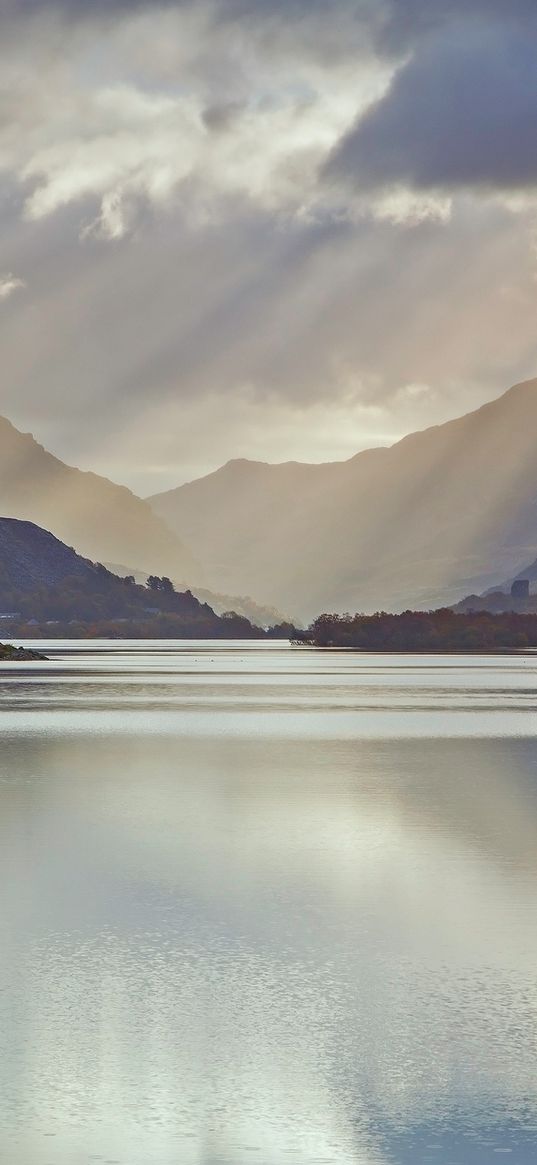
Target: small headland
x,y
11,654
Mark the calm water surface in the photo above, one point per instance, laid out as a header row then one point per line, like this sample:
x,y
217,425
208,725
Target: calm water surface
x,y
267,905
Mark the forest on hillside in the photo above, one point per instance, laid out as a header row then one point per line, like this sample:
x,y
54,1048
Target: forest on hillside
x,y
99,604
441,630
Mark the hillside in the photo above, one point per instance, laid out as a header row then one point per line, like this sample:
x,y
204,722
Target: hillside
x,y
501,598
47,589
430,631
101,520
31,557
443,512
262,616
529,572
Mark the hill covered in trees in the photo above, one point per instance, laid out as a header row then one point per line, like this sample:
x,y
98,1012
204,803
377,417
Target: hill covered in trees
x,y
46,589
434,631
262,615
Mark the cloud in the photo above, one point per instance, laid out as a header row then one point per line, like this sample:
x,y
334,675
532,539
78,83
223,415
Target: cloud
x,y
199,283
404,24
394,26
9,284
462,113
172,98
256,97
183,348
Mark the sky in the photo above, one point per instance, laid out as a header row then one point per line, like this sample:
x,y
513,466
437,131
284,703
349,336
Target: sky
x,y
277,229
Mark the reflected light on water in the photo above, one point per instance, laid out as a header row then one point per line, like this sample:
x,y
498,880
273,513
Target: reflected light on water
x,y
251,936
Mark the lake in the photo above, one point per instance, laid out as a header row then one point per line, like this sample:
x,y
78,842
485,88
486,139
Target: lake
x,y
264,904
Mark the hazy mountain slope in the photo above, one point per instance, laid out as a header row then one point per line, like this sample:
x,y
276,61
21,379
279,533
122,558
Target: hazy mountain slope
x,y
529,572
442,512
46,587
100,519
262,616
30,557
251,520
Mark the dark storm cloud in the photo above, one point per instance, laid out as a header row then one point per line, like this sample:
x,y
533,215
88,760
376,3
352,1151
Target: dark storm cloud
x,y
223,9
462,112
398,22
329,28
77,7
396,26
236,7
405,22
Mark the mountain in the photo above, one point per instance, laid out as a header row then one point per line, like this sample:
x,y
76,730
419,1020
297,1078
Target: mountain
x,y
262,616
496,603
505,597
46,588
529,572
31,557
444,511
100,519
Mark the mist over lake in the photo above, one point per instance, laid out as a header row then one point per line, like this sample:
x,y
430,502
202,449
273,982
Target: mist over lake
x,y
267,904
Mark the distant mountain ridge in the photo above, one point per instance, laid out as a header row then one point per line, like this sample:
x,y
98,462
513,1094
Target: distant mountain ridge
x,y
444,511
529,572
100,519
504,596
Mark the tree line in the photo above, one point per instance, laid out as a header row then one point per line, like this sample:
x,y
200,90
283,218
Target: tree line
x,y
100,604
441,630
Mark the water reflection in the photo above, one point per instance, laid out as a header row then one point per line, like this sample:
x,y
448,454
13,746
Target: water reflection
x,y
238,945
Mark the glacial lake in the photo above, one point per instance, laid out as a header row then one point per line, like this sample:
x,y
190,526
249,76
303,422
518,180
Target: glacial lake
x,y
265,905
